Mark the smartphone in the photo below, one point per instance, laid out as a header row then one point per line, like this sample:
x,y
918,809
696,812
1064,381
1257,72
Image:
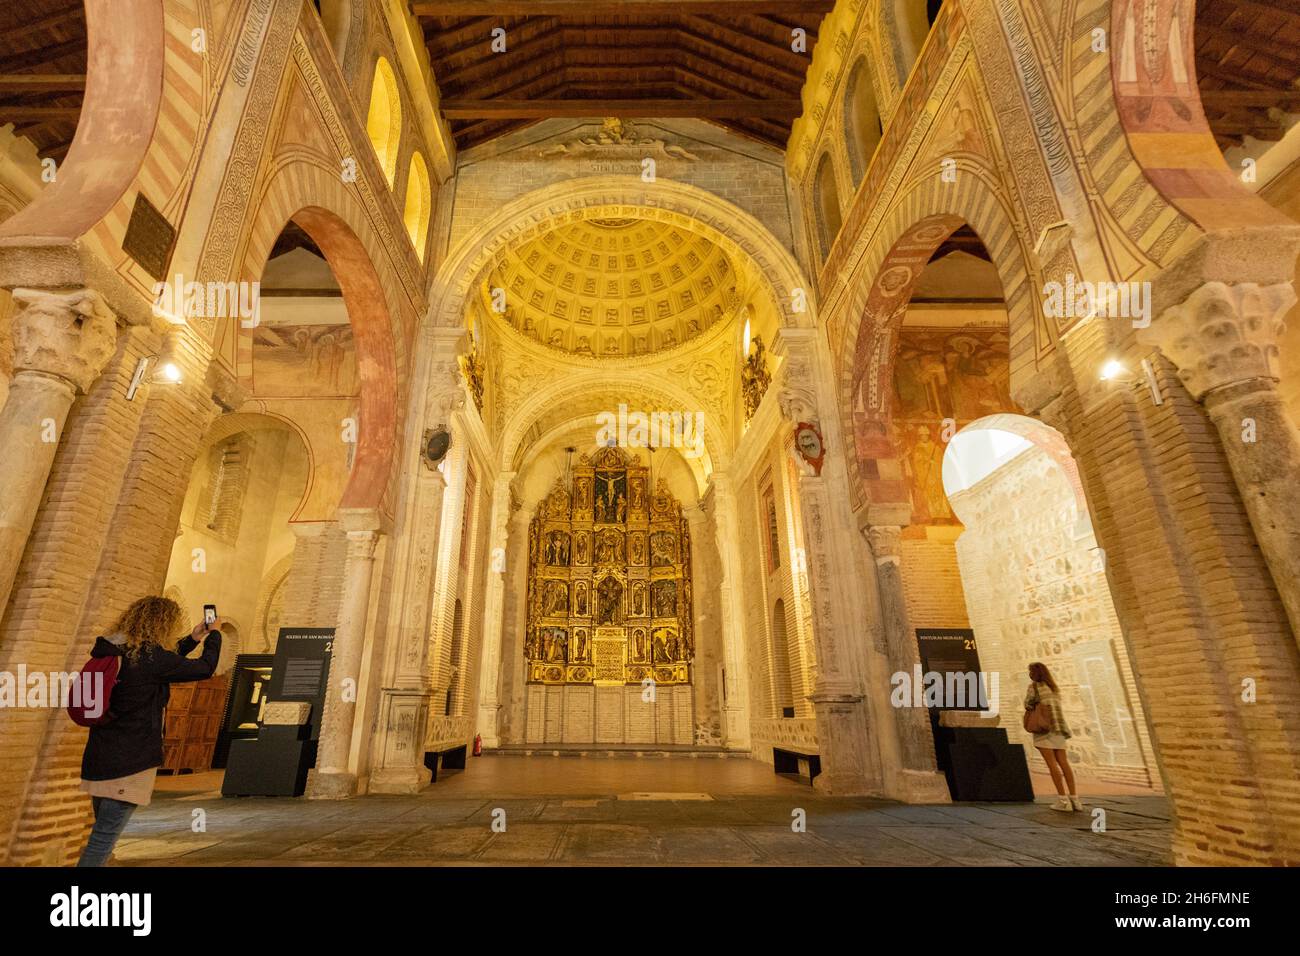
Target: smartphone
x,y
209,614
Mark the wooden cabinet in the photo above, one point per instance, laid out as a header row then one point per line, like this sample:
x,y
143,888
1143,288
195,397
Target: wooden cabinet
x,y
192,722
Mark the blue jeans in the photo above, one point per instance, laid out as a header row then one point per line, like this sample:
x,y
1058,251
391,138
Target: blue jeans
x,y
111,817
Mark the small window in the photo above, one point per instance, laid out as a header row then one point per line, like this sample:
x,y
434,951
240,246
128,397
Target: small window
x,y
384,121
419,203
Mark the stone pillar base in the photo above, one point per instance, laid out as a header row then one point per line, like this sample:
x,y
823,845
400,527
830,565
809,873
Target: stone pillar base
x,y
331,785
920,786
400,780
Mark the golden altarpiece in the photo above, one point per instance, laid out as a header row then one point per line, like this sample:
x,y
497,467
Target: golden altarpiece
x,y
609,579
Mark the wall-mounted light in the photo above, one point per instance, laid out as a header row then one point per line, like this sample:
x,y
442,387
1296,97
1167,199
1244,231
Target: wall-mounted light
x,y
165,372
1112,369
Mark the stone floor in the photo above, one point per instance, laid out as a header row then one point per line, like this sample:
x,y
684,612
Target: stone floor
x,y
627,812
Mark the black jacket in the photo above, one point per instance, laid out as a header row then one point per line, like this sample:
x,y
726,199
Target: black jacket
x,y
133,740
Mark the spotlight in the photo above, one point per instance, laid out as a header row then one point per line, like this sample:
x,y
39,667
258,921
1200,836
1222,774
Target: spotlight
x,y
170,372
1113,369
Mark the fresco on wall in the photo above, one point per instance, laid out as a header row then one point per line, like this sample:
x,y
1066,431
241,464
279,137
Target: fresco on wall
x,y
304,360
958,374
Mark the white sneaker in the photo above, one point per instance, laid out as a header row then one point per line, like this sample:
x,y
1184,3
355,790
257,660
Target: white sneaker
x,y
1063,804
1076,802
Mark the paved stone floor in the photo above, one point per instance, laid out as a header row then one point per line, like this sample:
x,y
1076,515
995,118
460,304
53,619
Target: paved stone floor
x,y
627,812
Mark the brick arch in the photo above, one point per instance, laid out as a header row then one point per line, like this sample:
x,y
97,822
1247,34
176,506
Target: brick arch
x,y
1046,437
1159,105
559,407
690,207
321,204
232,423
116,126
913,230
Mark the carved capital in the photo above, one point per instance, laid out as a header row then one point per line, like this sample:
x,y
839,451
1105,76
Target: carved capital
x,y
886,543
1223,334
68,335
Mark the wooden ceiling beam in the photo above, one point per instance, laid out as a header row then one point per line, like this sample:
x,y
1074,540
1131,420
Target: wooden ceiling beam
x,y
52,21
42,55
1207,68
42,83
491,66
1228,99
39,114
1246,43
777,56
614,8
543,109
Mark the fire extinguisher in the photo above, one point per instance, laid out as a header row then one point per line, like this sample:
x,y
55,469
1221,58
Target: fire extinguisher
x,y
478,745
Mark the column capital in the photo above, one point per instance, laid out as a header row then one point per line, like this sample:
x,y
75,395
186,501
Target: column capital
x,y
886,543
1223,335
67,335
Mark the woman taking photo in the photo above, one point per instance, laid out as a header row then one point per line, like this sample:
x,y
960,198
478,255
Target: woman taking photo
x,y
1045,718
123,754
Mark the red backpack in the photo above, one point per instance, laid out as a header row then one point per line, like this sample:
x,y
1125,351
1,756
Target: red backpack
x,y
100,673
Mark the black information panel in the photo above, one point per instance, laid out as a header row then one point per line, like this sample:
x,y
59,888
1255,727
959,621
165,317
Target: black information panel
x,y
302,667
950,650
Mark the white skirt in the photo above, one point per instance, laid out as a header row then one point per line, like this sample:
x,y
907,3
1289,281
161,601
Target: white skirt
x,y
1050,741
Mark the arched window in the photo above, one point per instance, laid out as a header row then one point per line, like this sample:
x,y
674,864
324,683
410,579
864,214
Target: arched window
x,y
384,121
911,21
826,200
783,691
453,707
419,203
861,120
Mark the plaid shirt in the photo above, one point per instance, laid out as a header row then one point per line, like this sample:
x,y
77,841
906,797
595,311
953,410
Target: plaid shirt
x,y
1045,694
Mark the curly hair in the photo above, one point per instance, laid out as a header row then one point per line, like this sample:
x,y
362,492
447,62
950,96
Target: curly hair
x,y
1039,674
150,622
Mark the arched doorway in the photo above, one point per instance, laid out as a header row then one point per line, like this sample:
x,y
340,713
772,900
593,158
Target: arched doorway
x,y
1035,588
937,425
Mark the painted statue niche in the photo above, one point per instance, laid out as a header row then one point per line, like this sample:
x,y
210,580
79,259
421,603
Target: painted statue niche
x,y
638,599
557,549
610,506
610,548
609,602
581,645
580,606
581,548
663,598
636,548
555,598
663,549
555,644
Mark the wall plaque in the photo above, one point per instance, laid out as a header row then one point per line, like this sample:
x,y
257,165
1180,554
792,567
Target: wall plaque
x,y
607,657
149,238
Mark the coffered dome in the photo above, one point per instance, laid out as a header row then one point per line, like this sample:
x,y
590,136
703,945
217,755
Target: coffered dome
x,y
613,287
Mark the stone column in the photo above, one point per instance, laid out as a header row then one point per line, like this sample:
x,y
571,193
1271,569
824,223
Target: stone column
x,y
332,778
1224,340
514,621
849,762
493,608
62,341
921,780
708,638
406,694
735,709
